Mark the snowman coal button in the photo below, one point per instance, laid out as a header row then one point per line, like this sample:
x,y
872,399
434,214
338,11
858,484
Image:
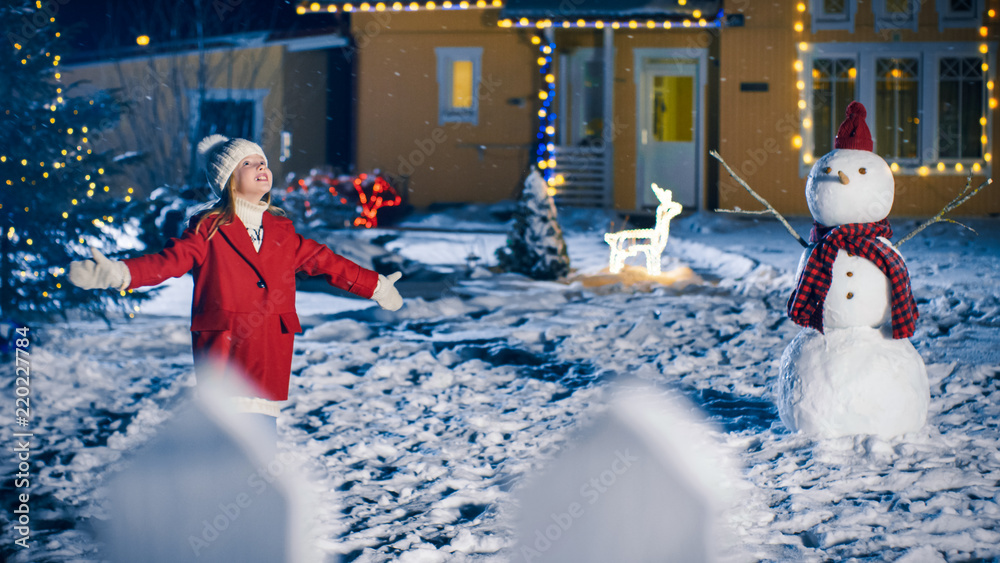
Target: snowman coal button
x,y
859,299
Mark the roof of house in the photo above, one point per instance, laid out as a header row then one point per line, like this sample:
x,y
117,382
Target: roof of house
x,y
610,9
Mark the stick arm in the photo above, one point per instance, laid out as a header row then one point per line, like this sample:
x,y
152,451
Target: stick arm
x,y
952,205
770,208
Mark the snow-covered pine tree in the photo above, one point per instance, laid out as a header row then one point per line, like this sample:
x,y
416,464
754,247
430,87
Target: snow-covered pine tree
x,y
535,244
53,171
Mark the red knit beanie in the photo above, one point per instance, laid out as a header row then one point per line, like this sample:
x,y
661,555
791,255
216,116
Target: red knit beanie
x,y
853,132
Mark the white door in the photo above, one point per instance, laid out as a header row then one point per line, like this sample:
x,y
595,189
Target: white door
x,y
668,116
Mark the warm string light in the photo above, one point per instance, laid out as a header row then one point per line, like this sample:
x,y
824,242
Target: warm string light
x,y
79,146
545,149
601,24
350,7
798,143
799,67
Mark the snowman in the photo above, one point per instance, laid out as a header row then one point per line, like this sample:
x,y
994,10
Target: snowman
x,y
852,369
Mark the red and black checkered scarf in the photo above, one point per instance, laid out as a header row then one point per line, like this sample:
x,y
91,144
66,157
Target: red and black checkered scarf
x,y
805,306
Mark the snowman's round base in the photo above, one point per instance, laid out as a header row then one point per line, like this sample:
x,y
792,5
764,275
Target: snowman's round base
x,y
852,381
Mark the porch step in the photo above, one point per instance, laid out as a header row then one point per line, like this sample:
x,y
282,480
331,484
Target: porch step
x,y
583,171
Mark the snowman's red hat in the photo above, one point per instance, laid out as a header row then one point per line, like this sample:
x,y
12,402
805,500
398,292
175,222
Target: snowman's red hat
x,y
853,132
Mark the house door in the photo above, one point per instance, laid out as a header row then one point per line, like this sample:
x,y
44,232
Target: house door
x,y
584,104
668,114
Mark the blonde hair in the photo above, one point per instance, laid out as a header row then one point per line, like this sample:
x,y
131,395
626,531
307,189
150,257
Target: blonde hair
x,y
223,211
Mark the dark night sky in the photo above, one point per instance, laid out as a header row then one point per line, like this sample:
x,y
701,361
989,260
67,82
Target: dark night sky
x,y
98,27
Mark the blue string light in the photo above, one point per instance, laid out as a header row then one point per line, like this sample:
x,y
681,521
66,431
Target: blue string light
x,y
546,118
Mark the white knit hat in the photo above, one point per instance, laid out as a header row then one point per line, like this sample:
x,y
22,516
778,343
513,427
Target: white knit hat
x,y
221,156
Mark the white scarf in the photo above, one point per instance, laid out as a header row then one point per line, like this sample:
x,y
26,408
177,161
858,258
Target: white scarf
x,y
252,215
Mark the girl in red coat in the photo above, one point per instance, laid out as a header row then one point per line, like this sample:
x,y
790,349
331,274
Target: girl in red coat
x,y
243,254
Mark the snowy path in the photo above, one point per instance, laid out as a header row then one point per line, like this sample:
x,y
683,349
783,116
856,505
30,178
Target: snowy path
x,y
422,424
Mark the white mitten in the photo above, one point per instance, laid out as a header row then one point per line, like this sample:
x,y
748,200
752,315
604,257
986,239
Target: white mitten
x,y
99,273
386,294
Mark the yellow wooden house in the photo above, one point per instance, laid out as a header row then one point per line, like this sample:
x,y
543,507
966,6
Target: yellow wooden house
x,y
461,98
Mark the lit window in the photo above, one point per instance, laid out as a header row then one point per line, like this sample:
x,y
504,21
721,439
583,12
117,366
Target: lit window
x,y
461,84
897,108
834,87
928,107
458,71
673,109
961,105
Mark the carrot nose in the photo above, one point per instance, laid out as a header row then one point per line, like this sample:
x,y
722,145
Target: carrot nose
x,y
843,178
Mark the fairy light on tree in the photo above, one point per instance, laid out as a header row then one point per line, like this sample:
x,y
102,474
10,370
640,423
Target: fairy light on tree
x,y
50,171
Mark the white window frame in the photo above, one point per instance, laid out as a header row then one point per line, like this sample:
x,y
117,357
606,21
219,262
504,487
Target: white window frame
x,y
824,22
446,56
949,19
929,55
886,22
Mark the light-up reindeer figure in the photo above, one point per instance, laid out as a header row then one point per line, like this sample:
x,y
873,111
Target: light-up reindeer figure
x,y
626,243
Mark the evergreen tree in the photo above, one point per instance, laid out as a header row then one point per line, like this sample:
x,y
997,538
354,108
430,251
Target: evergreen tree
x,y
535,244
56,177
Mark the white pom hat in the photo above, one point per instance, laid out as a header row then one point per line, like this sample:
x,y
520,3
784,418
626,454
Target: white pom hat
x,y
221,155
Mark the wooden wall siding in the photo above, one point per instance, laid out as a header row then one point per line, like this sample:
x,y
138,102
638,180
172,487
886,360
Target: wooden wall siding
x,y
756,128
143,79
397,111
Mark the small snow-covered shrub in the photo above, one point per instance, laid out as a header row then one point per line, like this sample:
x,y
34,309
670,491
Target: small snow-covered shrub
x,y
535,244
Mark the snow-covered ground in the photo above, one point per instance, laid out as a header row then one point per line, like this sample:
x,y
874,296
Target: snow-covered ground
x,y
421,425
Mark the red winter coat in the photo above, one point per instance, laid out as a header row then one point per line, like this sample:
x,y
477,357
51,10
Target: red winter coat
x,y
243,311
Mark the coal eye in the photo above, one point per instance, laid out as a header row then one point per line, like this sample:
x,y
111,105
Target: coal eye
x,y
862,170
826,170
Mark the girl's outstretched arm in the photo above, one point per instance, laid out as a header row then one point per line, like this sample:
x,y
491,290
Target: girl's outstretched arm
x,y
317,259
179,257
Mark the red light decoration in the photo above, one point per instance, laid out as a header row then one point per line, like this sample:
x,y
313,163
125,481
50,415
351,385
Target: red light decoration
x,y
370,204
